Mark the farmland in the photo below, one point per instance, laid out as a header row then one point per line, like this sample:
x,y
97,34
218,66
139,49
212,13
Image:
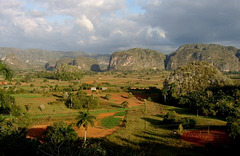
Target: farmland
x,y
138,127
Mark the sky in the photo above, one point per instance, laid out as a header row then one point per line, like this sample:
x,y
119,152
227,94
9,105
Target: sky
x,y
106,26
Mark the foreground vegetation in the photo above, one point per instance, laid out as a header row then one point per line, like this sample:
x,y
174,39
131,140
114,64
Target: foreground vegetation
x,y
132,105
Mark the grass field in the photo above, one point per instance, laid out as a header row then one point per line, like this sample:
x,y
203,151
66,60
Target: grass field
x,y
113,121
140,125
110,122
147,128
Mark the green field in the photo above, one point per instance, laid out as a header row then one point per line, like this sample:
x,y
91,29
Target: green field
x,y
140,126
147,128
110,122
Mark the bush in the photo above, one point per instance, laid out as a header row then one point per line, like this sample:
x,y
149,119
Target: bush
x,y
130,95
108,96
233,125
234,130
85,86
188,122
149,99
125,104
27,107
60,132
170,117
7,104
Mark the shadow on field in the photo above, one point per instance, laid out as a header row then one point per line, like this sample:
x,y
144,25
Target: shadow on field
x,y
160,115
142,94
58,96
128,141
125,97
153,146
103,97
186,111
154,122
116,106
160,135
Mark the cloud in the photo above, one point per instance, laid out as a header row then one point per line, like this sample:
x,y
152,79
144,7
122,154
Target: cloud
x,y
105,26
85,22
188,21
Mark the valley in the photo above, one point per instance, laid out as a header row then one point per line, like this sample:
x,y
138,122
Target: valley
x,y
136,128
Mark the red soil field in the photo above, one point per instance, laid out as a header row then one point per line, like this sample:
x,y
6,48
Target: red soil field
x,y
97,131
92,132
201,137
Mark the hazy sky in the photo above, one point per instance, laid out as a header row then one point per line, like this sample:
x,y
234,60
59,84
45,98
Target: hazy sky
x,y
105,26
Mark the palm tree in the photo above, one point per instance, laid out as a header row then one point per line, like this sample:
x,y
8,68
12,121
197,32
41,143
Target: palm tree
x,y
164,93
7,73
84,118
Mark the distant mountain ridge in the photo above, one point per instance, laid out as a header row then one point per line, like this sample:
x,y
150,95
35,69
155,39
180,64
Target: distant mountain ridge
x,y
82,62
38,58
14,62
225,58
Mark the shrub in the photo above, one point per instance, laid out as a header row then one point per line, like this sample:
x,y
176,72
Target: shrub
x,y
125,104
233,125
27,107
85,86
130,95
234,130
149,99
60,132
108,96
7,104
170,117
188,122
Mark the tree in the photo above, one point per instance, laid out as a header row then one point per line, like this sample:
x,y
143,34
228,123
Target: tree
x,y
233,125
81,100
84,119
6,71
71,95
59,132
7,104
59,138
164,93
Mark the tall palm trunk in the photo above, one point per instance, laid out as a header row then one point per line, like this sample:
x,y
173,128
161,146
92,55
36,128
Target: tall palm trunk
x,y
165,98
85,134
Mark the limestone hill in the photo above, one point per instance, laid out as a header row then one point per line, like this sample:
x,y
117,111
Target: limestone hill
x,y
137,59
225,58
